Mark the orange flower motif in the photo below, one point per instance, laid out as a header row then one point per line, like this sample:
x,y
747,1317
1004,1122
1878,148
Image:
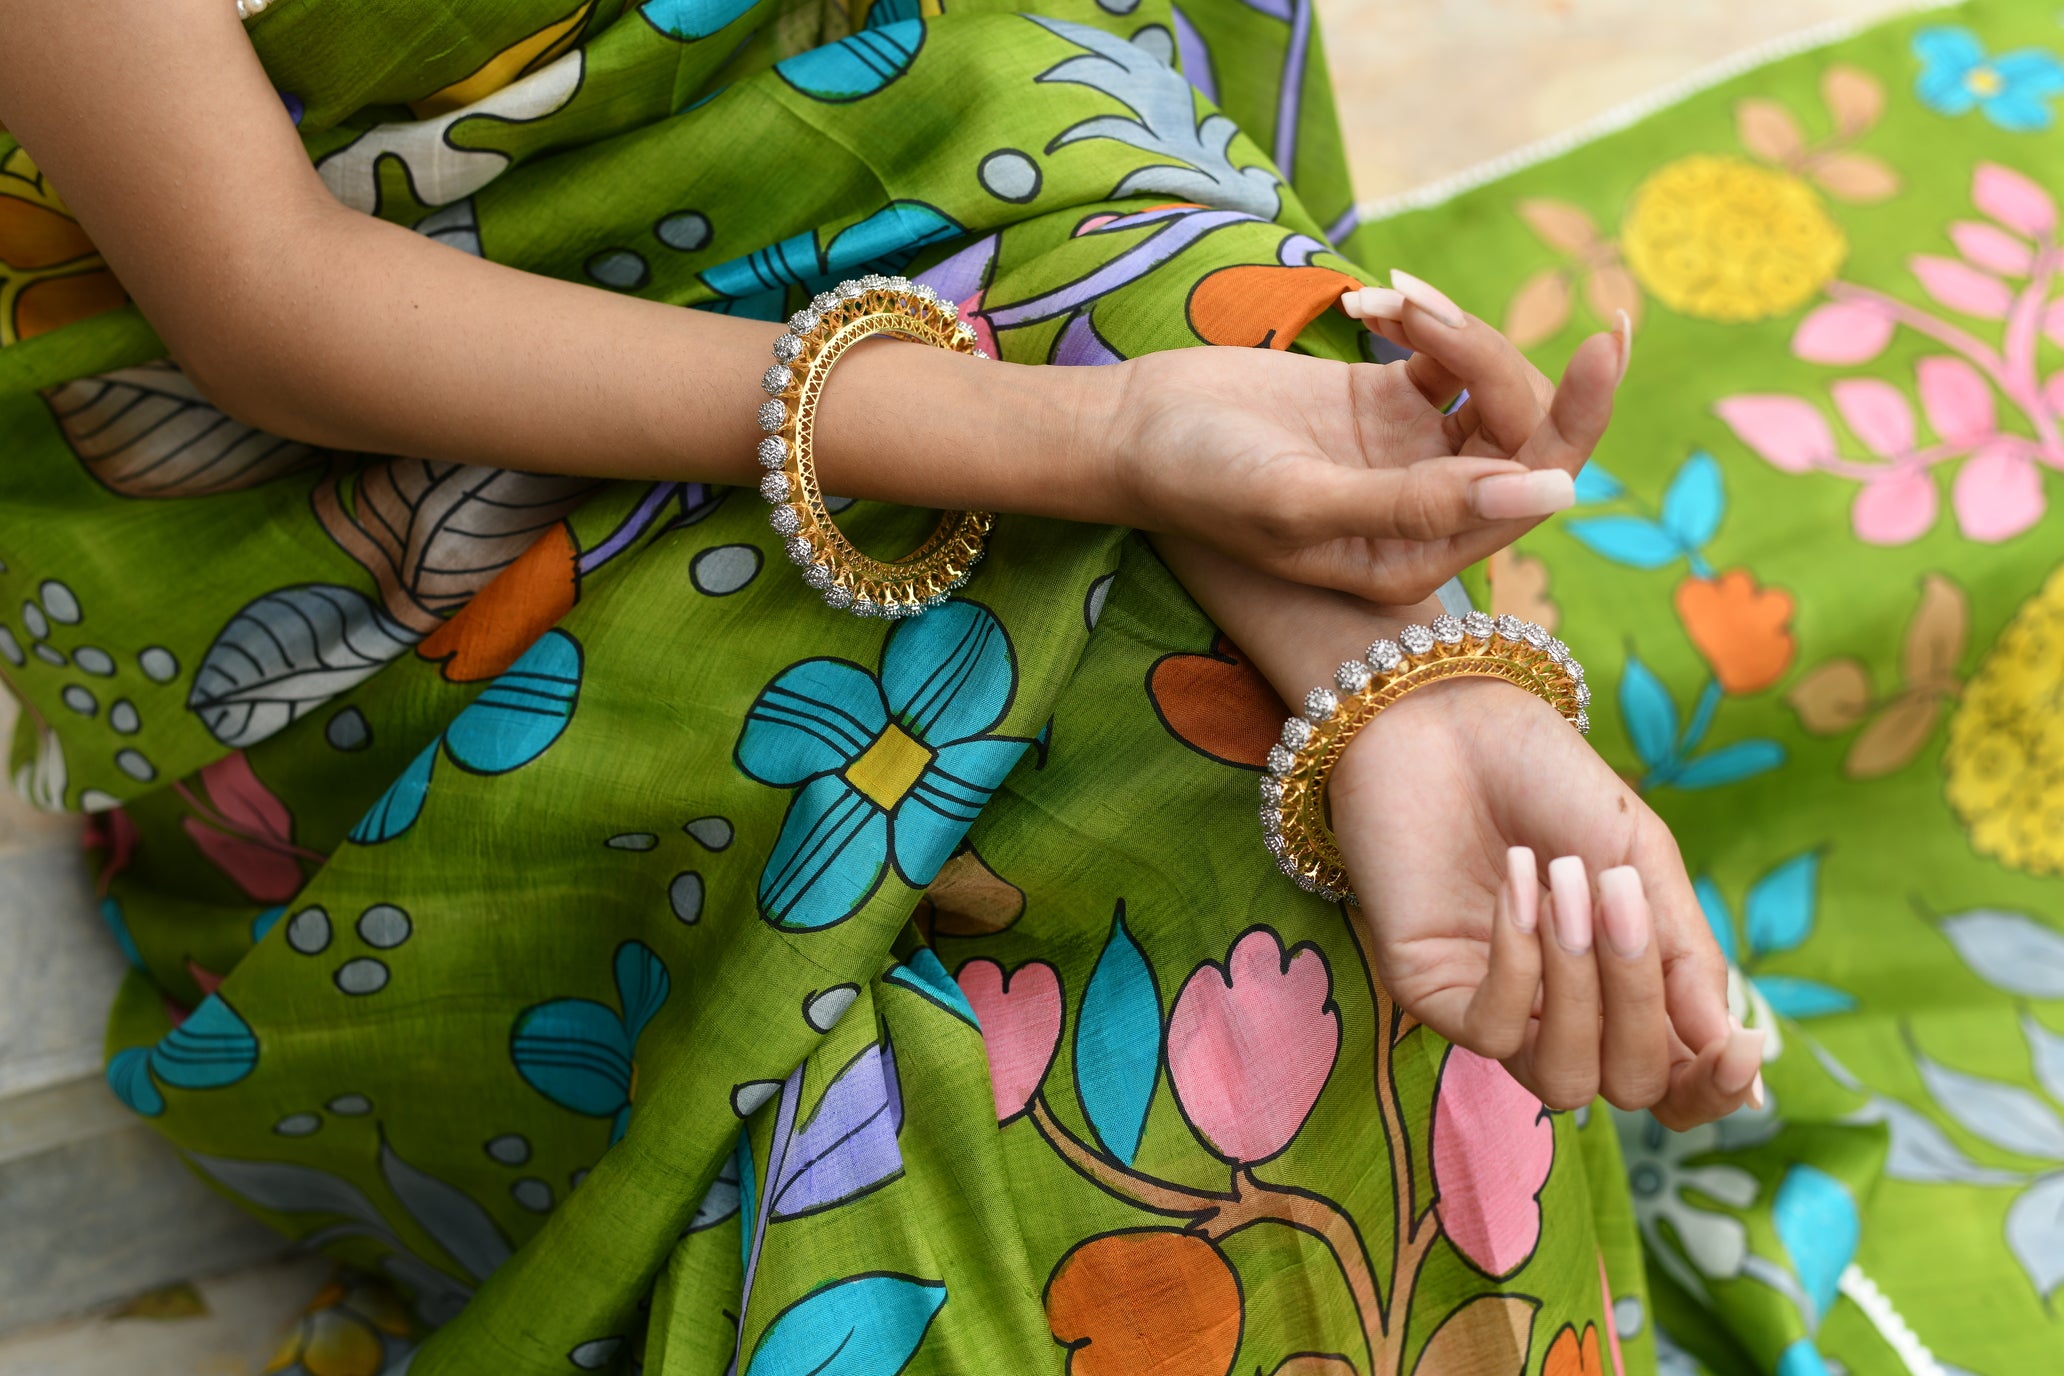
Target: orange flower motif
x,y
1743,630
1570,1355
341,1334
1150,1302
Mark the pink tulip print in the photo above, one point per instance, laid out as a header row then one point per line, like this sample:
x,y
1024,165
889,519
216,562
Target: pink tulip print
x,y
2005,275
1251,1044
1020,1015
1493,1147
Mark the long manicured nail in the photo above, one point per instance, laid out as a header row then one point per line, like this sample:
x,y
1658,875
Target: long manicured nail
x,y
1427,297
1744,1052
1623,329
1508,496
1571,888
1381,303
1756,1091
1623,911
1523,881
1351,304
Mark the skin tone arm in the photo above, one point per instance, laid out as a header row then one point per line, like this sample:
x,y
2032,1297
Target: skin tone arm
x,y
312,321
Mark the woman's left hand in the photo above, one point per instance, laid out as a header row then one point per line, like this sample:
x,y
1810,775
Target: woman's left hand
x,y
1599,976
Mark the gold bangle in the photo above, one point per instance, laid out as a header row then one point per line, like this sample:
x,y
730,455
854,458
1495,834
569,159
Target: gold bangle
x,y
1294,824
817,335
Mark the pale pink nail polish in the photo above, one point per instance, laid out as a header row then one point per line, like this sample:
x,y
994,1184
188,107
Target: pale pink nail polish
x,y
1381,303
1524,884
1624,328
1623,911
1427,297
1351,304
1509,496
1571,886
1743,1048
1756,1091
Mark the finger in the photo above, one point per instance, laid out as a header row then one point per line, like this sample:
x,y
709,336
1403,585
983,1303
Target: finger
x,y
1694,971
1428,500
1634,1069
1724,1075
1581,408
1495,1024
1506,392
1443,339
1564,1056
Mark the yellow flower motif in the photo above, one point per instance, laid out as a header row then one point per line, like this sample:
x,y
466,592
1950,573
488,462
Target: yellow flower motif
x,y
1726,239
340,1334
2005,759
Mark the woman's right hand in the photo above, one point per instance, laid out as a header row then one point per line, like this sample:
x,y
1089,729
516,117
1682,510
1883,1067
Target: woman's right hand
x,y
1353,476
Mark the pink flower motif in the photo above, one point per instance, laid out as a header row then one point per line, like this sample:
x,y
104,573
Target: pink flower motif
x,y
1962,287
1787,432
1879,414
1843,332
1493,1147
1992,249
1612,1323
2013,200
1895,508
258,851
1998,493
2053,393
1957,399
1020,1016
1250,1045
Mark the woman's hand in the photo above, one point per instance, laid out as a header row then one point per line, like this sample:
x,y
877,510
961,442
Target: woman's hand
x,y
1606,981
1350,476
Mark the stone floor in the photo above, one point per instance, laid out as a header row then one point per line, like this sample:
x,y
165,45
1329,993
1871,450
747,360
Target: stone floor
x,y
1428,88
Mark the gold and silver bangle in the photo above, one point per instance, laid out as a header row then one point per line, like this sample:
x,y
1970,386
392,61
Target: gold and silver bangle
x,y
818,334
1293,791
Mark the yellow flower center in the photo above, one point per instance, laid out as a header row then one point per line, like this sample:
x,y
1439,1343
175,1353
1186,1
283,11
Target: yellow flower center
x,y
2004,764
889,767
1984,81
1722,238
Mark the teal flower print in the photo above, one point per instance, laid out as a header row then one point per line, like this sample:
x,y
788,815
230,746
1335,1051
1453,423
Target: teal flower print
x,y
580,1054
2013,89
211,1047
889,769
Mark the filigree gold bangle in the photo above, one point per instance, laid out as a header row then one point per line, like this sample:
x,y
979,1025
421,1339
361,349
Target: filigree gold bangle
x,y
1293,792
817,335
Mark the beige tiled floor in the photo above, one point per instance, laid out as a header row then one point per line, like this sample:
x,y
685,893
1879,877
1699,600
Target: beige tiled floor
x,y
1427,88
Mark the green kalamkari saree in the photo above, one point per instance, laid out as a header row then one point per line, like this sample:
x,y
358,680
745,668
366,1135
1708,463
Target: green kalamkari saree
x,y
524,910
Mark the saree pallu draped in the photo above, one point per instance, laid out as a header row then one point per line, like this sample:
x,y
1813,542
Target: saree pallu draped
x,y
541,903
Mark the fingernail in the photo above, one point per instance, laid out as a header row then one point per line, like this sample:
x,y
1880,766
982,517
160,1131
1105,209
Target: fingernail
x,y
1572,890
1624,911
1427,297
1744,1052
1351,304
1381,303
1624,328
1756,1091
1523,880
1504,496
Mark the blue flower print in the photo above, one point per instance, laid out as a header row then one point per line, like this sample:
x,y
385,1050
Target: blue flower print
x,y
888,770
579,1053
2013,89
211,1048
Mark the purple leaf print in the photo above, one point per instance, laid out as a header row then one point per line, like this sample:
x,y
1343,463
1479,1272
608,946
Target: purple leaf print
x,y
849,1145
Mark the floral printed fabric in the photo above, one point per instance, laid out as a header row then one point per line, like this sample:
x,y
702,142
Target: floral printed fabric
x,y
1816,563
539,902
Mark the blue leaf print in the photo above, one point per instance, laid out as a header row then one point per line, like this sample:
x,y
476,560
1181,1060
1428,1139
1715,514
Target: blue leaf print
x,y
1802,998
748,1198
885,12
642,985
212,1048
1118,1043
1701,716
888,239
868,1325
396,810
849,1145
265,922
692,19
1650,715
118,927
1594,484
579,1053
1802,1358
1816,1219
1730,764
1780,908
128,1074
1694,503
522,712
857,65
923,975
1632,540
764,270
1717,916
